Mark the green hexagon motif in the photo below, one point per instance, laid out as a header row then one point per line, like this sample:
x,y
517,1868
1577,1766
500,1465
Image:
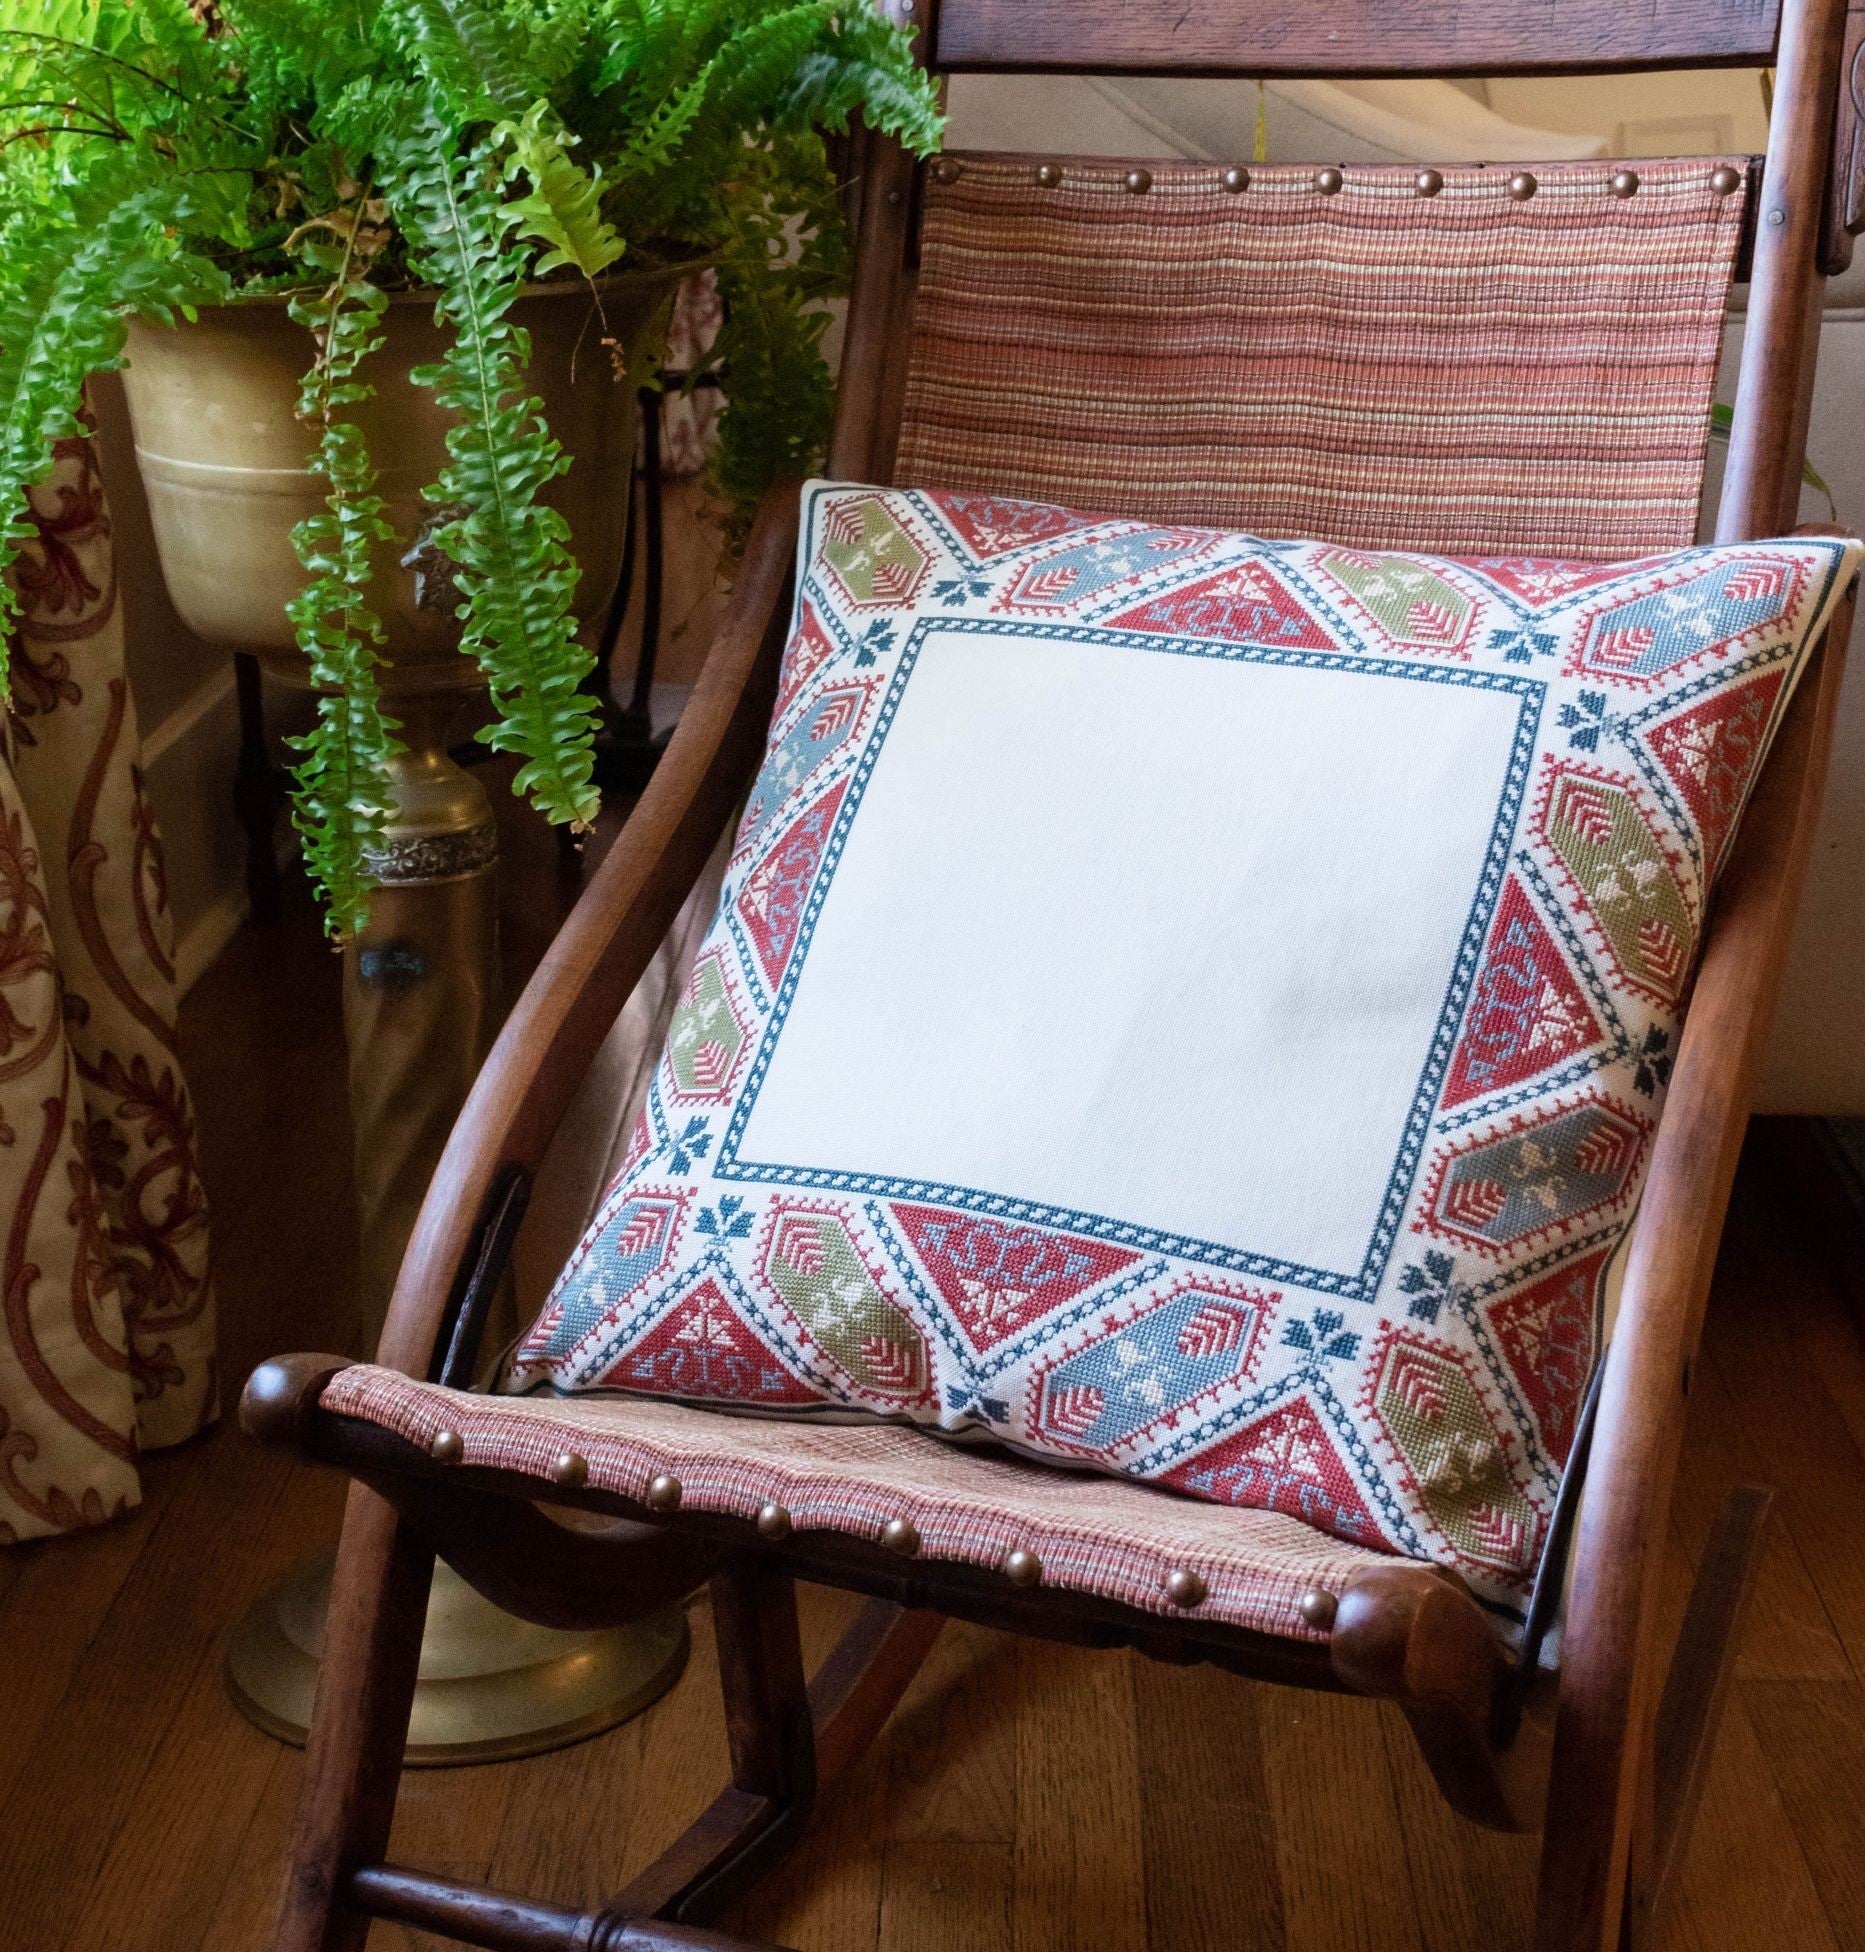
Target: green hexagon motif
x,y
1437,1422
707,1035
811,1259
873,556
1411,603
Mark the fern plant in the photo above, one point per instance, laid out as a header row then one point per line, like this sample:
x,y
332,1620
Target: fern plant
x,y
158,156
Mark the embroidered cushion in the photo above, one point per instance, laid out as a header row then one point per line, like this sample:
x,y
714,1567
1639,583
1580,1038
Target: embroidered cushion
x,y
1194,1007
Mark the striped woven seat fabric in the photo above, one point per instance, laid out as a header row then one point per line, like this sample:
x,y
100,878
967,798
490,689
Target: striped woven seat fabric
x,y
1468,362
1094,1535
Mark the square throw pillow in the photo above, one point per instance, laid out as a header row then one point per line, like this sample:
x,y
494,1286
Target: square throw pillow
x,y
1194,1007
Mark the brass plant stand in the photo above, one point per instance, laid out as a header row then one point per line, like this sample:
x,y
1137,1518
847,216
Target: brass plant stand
x,y
491,1687
222,457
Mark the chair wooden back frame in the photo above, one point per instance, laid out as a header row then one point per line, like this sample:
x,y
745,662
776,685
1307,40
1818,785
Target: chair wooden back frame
x,y
1610,1677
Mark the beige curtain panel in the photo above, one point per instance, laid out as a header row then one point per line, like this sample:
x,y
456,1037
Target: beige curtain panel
x,y
107,1341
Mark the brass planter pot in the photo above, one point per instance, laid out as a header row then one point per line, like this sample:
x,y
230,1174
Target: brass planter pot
x,y
223,458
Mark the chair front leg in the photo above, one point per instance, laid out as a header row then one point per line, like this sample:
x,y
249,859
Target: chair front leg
x,y
359,1725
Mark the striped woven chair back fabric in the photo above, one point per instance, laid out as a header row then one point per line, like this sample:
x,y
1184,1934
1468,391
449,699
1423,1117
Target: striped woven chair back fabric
x,y
1512,364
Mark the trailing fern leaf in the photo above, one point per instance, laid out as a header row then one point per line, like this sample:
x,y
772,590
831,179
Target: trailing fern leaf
x,y
341,798
509,547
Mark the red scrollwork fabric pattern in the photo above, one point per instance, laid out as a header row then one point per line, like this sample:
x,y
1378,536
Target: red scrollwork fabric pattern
x,y
107,1334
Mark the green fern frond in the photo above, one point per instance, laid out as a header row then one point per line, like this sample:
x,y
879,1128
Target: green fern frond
x,y
64,295
510,549
562,209
470,56
341,795
655,144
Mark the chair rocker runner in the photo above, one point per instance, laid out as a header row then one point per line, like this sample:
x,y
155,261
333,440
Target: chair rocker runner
x,y
1604,1751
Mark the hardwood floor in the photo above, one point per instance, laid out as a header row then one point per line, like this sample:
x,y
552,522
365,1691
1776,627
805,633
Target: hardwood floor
x,y
1025,1797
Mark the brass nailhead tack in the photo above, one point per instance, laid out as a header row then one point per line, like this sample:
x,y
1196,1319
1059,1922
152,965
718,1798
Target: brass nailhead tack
x,y
663,1493
1236,179
773,1523
1725,181
1139,181
946,170
1624,183
1521,186
1048,175
447,1447
901,1535
1329,181
1023,1568
1318,1607
568,1469
1186,1589
1428,182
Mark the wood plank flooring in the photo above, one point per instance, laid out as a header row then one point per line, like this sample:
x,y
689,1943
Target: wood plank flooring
x,y
1025,1797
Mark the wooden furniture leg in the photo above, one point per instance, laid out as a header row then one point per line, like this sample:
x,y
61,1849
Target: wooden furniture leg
x,y
1690,1710
365,1687
769,1724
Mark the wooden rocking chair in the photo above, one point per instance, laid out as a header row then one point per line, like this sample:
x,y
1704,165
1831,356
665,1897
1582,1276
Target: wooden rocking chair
x,y
947,382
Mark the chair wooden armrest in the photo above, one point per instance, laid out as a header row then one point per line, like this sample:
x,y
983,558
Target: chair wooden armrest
x,y
600,953
1611,1677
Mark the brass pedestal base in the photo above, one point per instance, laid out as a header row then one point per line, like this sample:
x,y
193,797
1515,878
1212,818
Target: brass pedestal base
x,y
492,1687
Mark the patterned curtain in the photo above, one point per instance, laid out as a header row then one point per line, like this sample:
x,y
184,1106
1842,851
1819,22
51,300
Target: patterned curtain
x,y
107,1335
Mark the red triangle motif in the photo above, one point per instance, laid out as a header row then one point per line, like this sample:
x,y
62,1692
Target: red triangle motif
x,y
1243,603
993,525
1282,1461
998,1277
771,902
1540,579
810,644
702,1349
1712,751
1527,1011
1545,1333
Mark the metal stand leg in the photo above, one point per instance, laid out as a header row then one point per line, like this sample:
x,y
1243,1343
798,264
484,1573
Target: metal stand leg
x,y
257,797
626,749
